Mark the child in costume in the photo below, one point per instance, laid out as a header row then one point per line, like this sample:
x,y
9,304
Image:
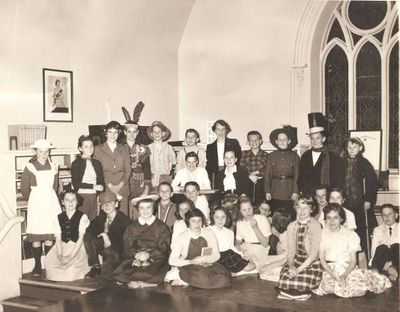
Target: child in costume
x,y
39,184
67,260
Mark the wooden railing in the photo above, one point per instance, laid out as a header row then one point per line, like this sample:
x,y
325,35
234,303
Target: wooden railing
x,y
13,219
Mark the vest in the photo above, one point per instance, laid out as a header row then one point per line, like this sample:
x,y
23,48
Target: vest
x,y
70,228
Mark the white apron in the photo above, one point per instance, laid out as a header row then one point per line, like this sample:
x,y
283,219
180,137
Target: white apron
x,y
43,204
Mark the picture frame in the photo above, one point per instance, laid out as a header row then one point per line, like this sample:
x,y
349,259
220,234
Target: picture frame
x,y
57,95
372,140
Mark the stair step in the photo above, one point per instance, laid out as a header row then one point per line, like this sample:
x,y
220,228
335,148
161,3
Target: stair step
x,y
49,290
23,303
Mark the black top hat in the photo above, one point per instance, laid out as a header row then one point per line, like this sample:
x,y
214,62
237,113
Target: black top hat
x,y
316,122
289,131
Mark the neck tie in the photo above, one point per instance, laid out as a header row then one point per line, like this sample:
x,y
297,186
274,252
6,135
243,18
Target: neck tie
x,y
390,231
107,225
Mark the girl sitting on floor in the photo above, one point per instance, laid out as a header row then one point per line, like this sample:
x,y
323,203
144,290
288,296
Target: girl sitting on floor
x,y
252,233
302,271
194,255
146,249
68,261
338,258
336,195
230,258
180,225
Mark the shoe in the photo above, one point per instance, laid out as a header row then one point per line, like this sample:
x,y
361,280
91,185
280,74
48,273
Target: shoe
x,y
37,271
94,271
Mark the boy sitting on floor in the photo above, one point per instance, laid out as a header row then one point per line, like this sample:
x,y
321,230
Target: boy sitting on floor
x,y
104,235
385,244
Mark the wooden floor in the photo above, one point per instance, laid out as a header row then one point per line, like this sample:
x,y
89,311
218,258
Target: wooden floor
x,y
247,293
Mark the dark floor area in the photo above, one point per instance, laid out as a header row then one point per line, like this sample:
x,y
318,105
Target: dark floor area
x,y
247,293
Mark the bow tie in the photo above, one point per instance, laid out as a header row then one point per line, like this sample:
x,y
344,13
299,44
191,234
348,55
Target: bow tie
x,y
317,150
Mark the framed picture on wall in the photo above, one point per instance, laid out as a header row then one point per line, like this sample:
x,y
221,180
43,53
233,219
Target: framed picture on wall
x,y
57,95
373,146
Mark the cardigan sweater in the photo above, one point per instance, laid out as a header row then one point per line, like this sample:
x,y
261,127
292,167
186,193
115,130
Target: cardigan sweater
x,y
78,168
312,239
181,246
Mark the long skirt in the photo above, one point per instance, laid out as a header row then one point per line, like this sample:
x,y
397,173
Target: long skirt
x,y
232,261
307,279
74,270
357,283
154,273
206,277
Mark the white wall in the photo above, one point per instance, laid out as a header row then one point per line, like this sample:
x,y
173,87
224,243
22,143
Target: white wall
x,y
235,62
120,51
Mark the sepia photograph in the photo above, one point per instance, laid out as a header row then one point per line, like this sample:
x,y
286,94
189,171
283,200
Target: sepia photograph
x,y
199,155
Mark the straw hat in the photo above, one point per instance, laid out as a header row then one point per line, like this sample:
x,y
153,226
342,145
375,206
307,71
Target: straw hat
x,y
42,143
165,130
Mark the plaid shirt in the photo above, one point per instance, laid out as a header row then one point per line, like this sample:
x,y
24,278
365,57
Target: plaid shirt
x,y
254,162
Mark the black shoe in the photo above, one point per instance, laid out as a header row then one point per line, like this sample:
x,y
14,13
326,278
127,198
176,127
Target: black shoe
x,y
94,271
37,271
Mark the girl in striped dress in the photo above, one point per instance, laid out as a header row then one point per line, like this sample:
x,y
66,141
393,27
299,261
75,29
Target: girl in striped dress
x,y
303,271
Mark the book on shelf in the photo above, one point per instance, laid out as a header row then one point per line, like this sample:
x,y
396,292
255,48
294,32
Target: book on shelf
x,y
21,137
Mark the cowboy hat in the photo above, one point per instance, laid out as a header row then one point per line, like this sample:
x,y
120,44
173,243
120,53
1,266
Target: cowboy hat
x,y
289,131
165,130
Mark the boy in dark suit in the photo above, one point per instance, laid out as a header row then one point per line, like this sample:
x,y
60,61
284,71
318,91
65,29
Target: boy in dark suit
x,y
318,165
104,235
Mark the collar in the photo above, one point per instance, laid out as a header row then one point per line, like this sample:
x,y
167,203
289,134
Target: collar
x,y
149,221
112,215
232,171
112,146
194,235
304,221
388,226
317,150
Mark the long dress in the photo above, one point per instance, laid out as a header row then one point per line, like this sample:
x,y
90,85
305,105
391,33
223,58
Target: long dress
x,y
154,238
337,246
307,279
43,204
78,266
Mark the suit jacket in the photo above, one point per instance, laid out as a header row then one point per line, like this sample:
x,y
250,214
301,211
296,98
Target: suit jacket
x,y
78,168
241,178
310,175
116,230
212,154
116,165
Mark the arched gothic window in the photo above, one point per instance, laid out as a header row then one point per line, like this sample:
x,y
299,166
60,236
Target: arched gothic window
x,y
360,71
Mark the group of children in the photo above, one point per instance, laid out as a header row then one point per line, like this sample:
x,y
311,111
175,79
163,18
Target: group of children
x,y
264,219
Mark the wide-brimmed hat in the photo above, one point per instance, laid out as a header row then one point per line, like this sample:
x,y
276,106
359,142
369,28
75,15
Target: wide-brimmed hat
x,y
316,123
136,200
42,143
289,131
107,197
165,130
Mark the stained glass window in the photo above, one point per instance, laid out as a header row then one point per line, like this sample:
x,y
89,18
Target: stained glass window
x,y
394,107
336,95
367,14
368,88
